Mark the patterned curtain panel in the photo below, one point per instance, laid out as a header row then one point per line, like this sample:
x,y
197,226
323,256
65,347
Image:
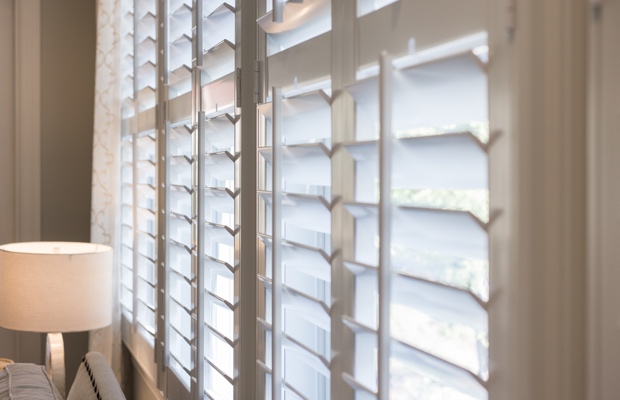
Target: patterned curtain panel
x,y
104,208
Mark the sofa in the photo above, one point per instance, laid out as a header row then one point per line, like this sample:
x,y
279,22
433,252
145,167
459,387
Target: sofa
x,y
93,381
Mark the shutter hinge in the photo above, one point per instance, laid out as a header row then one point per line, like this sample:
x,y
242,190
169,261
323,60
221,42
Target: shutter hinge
x,y
163,98
258,86
238,84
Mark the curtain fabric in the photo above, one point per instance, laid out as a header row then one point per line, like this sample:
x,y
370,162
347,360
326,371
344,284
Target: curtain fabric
x,y
105,227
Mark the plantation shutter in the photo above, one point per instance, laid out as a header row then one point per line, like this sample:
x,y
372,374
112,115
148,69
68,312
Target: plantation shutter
x,y
139,178
126,173
200,121
372,200
180,186
295,202
420,259
219,189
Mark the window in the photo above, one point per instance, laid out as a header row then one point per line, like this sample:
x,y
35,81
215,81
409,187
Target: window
x,y
372,197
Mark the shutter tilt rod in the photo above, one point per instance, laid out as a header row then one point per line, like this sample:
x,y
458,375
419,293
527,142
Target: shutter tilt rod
x,y
276,232
385,222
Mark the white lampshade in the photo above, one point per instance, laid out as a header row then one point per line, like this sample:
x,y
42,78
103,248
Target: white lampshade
x,y
55,286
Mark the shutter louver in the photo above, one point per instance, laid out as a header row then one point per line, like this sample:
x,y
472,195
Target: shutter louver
x,y
294,22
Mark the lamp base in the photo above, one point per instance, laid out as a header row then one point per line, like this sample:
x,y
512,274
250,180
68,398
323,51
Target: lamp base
x,y
55,361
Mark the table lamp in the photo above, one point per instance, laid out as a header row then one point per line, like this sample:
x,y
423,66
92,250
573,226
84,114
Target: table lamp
x,y
55,287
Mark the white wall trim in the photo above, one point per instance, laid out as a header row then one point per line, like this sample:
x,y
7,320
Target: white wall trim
x,y
27,120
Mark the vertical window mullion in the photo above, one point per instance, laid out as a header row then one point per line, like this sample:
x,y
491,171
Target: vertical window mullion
x,y
246,250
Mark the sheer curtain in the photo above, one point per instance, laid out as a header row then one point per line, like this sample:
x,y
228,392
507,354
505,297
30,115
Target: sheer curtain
x,y
105,204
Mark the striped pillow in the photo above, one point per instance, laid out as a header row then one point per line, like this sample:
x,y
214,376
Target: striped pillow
x,y
26,382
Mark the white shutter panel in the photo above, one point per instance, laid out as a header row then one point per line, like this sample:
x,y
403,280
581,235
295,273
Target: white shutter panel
x,y
295,203
139,176
302,248
145,227
126,173
361,295
420,259
145,171
180,214
180,219
218,194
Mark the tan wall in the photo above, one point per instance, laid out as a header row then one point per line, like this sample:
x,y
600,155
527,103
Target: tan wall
x,y
7,122
68,42
68,39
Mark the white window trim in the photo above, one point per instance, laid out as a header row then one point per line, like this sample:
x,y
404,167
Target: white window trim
x,y
538,191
